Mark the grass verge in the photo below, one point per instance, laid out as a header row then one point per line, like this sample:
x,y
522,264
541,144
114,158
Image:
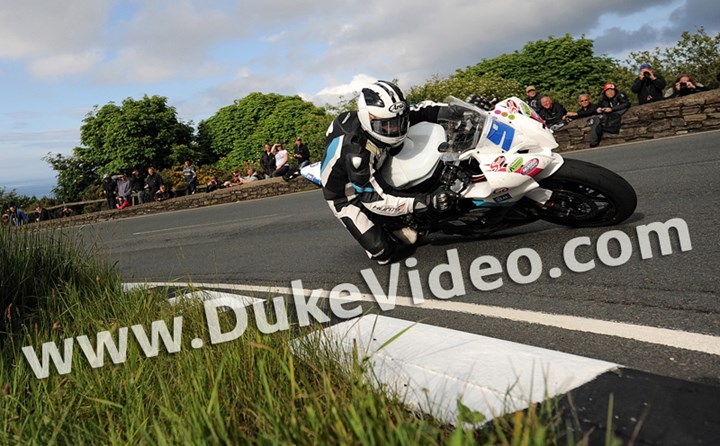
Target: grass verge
x,y
257,389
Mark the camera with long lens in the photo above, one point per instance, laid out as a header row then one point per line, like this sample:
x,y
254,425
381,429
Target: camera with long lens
x,y
646,75
683,85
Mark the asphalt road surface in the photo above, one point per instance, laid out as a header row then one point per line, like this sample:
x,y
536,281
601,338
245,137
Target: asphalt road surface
x,y
635,313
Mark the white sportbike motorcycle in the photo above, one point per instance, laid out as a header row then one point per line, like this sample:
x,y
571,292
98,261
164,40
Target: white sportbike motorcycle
x,y
500,167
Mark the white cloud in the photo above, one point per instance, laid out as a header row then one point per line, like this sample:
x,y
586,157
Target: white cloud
x,y
333,93
41,27
63,64
170,40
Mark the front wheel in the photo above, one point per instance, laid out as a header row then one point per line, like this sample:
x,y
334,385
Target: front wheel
x,y
586,195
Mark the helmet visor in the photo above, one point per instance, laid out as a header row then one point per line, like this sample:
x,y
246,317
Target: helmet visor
x,y
392,127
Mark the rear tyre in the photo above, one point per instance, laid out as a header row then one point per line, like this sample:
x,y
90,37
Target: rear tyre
x,y
587,195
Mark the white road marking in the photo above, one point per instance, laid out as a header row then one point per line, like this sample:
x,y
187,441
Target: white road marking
x,y
654,335
203,295
433,367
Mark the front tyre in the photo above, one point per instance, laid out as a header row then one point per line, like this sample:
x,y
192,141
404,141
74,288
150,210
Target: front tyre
x,y
587,195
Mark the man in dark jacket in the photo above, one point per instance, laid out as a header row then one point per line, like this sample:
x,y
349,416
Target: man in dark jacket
x,y
611,106
302,154
302,158
586,109
42,213
267,161
648,86
153,182
110,188
137,186
552,113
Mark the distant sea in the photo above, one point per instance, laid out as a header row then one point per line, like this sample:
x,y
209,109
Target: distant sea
x,y
38,188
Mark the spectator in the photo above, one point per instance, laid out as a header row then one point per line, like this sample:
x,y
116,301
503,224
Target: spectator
x,y
648,86
67,211
162,193
17,216
281,161
212,184
611,106
137,186
302,154
123,189
552,113
122,202
252,175
190,178
685,85
234,181
267,162
533,98
153,182
43,213
586,109
110,188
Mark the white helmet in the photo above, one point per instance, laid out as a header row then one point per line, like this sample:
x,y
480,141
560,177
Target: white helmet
x,y
383,113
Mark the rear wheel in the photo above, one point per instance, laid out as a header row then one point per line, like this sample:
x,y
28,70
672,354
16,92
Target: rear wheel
x,y
586,195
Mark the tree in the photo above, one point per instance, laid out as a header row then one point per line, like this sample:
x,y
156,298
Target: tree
x,y
695,54
489,85
561,67
12,198
343,104
135,134
222,132
237,132
75,178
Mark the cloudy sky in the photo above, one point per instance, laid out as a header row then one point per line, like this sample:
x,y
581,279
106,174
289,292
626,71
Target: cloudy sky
x,y
58,59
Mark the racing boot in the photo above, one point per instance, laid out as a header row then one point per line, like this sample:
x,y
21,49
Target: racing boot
x,y
406,235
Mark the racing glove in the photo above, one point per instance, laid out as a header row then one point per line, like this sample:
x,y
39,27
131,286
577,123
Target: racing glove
x,y
439,201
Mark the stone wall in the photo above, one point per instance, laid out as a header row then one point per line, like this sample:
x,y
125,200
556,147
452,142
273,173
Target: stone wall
x,y
694,113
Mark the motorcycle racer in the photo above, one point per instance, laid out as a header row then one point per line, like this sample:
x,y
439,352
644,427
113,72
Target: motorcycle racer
x,y
357,143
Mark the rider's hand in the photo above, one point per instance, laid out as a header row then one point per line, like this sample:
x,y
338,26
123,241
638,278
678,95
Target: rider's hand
x,y
439,201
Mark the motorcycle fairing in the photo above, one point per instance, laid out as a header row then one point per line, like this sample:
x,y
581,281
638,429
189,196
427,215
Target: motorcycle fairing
x,y
514,151
418,158
312,173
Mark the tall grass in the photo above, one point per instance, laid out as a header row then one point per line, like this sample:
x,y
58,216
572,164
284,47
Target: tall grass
x,y
35,265
280,388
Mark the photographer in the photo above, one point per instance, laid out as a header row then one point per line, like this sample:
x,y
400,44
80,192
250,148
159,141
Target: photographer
x,y
648,86
685,85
